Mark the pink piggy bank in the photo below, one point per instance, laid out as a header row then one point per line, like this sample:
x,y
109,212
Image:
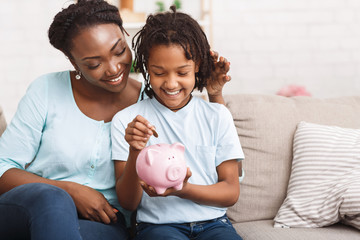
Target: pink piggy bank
x,y
162,166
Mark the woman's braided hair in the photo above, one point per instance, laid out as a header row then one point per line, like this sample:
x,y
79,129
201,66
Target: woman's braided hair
x,y
173,28
78,16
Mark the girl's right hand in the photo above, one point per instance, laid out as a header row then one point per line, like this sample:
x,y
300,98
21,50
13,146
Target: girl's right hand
x,y
138,133
150,190
91,204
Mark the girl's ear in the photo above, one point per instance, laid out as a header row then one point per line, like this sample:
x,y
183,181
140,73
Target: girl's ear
x,y
197,66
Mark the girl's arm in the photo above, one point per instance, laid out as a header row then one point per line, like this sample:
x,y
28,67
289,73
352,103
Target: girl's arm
x,y
224,193
128,188
218,78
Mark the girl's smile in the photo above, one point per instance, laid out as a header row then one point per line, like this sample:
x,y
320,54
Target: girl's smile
x,y
172,75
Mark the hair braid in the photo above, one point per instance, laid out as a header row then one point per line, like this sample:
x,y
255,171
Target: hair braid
x,y
78,16
173,28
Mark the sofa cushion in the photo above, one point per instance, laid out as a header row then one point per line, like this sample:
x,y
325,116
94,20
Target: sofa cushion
x,y
264,230
2,122
266,125
324,185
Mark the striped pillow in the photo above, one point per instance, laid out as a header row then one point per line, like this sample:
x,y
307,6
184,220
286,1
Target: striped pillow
x,y
324,186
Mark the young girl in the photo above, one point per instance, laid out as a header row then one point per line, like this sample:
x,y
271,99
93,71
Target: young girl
x,y
173,54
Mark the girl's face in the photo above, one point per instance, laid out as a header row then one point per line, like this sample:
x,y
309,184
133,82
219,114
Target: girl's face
x,y
172,75
103,56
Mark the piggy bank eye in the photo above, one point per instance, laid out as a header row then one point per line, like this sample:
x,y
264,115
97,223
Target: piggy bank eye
x,y
173,157
168,158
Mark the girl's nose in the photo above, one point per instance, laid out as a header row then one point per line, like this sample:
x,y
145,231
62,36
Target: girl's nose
x,y
171,82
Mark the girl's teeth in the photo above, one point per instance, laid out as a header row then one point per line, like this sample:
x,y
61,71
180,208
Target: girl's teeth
x,y
172,93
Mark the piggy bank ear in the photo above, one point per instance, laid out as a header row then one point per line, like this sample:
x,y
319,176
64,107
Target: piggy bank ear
x,y
151,156
178,146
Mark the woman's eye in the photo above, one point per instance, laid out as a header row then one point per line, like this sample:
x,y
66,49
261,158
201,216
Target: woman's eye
x,y
120,53
183,73
92,67
158,74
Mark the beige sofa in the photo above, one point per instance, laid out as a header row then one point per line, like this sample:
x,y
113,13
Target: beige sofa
x,y
266,126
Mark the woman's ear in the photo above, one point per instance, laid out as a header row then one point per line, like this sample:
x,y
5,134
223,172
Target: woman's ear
x,y
74,64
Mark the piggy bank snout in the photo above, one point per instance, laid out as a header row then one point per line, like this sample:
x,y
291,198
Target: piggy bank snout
x,y
175,173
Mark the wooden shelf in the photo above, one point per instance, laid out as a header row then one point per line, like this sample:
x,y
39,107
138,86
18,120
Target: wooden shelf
x,y
205,20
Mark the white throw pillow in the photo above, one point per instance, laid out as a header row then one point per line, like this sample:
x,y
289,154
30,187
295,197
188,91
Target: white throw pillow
x,y
324,186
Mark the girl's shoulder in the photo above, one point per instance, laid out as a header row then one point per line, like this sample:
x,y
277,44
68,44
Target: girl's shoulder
x,y
215,111
210,106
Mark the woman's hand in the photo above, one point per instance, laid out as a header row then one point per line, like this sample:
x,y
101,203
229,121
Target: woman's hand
x,y
150,190
138,132
91,204
219,76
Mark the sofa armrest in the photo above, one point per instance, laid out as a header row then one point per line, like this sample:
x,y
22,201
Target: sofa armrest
x,y
2,121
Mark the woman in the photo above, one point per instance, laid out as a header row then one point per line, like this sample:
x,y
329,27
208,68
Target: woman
x,y
56,174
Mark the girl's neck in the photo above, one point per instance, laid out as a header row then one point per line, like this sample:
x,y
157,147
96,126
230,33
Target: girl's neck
x,y
177,109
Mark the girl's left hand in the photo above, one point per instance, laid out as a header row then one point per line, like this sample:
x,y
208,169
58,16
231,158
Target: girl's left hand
x,y
150,190
219,76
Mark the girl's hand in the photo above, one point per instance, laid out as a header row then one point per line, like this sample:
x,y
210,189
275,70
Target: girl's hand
x,y
219,76
138,132
91,204
170,191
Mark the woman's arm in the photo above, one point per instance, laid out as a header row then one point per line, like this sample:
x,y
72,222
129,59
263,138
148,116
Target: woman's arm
x,y
19,145
90,203
218,78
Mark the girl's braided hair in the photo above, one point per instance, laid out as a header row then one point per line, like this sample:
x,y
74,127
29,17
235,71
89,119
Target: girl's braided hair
x,y
173,28
78,16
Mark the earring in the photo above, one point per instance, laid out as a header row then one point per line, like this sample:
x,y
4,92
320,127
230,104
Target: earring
x,y
78,75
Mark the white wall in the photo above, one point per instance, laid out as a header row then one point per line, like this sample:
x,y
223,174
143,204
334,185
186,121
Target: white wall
x,y
270,43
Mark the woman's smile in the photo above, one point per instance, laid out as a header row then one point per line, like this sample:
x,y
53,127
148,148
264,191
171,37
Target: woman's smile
x,y
115,81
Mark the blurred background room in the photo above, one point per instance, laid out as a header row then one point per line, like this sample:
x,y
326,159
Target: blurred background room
x,y
313,45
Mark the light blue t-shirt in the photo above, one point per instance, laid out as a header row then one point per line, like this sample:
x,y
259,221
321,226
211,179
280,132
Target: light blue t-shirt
x,y
206,129
59,142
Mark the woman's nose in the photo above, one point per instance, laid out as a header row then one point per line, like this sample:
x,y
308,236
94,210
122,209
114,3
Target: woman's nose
x,y
113,68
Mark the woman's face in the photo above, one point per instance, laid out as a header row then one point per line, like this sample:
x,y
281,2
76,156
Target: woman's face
x,y
102,55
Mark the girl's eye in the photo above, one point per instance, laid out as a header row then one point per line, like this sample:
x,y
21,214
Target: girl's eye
x,y
120,53
183,73
158,74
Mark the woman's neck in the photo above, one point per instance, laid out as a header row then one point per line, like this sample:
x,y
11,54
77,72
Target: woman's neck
x,y
99,104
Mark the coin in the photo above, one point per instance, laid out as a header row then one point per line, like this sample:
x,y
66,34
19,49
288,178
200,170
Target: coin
x,y
155,133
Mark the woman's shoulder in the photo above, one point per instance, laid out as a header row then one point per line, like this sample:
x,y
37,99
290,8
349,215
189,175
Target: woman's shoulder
x,y
53,77
50,84
137,89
